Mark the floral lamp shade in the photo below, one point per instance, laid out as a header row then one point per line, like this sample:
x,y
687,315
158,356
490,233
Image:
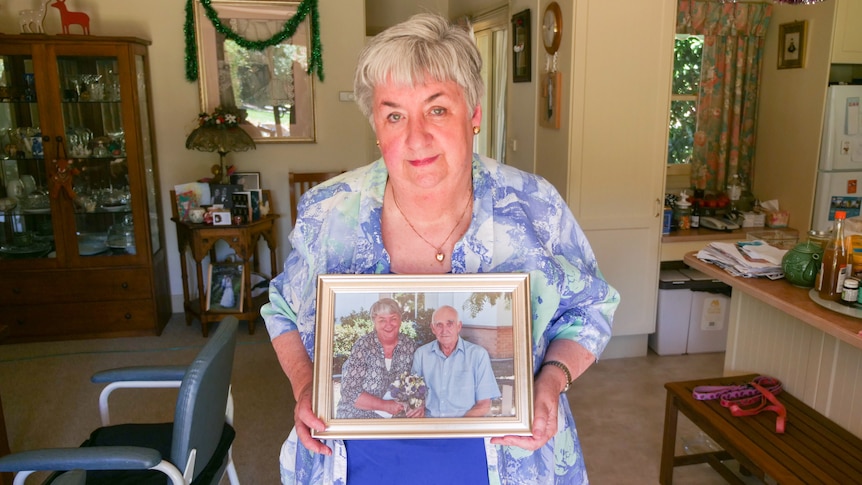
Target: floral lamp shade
x,y
220,132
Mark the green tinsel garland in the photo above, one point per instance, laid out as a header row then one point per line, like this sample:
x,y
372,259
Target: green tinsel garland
x,y
306,7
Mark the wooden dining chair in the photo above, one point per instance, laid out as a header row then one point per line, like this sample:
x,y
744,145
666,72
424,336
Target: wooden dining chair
x,y
300,183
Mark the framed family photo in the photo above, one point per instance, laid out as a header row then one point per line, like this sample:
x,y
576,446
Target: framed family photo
x,y
483,316
225,288
791,45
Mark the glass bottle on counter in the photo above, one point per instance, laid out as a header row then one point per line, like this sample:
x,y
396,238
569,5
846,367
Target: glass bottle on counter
x,y
834,269
683,212
695,214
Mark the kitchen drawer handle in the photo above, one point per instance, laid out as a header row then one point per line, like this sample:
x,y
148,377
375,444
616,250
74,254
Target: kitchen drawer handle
x,y
128,316
125,285
19,322
16,290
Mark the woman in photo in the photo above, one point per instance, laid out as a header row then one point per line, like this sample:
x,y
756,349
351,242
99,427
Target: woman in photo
x,y
376,360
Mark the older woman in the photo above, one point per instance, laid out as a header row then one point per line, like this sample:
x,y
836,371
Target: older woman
x,y
376,360
431,206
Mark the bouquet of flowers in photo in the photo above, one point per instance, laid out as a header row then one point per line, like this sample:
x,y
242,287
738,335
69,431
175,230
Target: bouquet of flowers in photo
x,y
409,389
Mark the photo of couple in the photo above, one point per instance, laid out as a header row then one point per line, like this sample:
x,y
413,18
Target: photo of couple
x,y
422,361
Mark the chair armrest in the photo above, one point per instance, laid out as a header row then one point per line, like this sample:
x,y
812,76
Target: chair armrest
x,y
142,377
141,373
92,458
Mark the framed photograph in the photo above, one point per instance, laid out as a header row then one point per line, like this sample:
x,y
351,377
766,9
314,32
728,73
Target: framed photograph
x,y
791,45
549,107
521,64
225,288
247,180
221,194
486,316
272,85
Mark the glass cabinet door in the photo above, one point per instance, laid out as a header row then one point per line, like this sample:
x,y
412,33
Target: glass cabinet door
x,y
25,207
92,115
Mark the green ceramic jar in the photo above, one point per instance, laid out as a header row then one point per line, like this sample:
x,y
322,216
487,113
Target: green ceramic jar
x,y
801,264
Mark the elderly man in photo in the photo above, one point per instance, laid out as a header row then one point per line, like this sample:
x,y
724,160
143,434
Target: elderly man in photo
x,y
458,373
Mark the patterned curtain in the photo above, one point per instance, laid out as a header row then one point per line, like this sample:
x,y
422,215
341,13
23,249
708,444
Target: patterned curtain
x,y
727,102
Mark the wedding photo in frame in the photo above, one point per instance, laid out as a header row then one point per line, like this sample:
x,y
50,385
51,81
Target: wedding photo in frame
x,y
272,85
489,312
225,288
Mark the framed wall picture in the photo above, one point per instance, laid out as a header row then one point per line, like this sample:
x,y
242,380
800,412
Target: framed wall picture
x,y
248,180
487,315
225,287
791,45
522,66
272,85
550,105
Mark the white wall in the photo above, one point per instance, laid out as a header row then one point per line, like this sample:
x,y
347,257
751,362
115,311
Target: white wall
x,y
340,127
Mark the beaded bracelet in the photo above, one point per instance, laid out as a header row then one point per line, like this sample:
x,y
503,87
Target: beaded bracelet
x,y
560,365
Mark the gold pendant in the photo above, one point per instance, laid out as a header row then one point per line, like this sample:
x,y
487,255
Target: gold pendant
x,y
440,257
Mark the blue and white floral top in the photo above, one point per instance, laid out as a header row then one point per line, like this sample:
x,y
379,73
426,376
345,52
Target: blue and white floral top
x,y
519,224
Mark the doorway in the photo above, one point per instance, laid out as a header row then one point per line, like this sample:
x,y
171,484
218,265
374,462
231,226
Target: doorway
x,y
491,32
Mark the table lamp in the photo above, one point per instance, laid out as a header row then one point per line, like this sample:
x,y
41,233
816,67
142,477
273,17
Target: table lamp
x,y
220,132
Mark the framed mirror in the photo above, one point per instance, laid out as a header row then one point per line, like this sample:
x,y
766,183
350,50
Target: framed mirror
x,y
272,85
552,28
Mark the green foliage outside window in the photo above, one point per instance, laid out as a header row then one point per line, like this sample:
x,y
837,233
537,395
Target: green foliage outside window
x,y
683,110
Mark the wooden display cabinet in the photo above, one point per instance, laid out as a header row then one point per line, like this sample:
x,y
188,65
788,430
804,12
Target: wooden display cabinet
x,y
82,249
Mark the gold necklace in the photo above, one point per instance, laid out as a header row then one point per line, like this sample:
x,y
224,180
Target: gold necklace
x,y
440,256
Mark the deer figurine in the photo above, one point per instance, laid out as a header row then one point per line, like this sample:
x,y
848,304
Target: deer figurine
x,y
33,20
68,18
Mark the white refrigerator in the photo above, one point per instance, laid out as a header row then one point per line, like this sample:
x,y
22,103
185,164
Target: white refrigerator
x,y
839,174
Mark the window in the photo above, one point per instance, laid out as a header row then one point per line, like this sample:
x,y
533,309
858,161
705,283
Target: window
x,y
683,105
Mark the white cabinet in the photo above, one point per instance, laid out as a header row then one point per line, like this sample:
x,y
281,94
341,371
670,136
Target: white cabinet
x,y
847,34
621,71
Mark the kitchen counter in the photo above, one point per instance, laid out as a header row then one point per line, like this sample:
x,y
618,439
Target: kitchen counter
x,y
774,328
790,299
707,235
675,245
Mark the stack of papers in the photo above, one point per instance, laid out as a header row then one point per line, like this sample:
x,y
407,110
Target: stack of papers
x,y
750,259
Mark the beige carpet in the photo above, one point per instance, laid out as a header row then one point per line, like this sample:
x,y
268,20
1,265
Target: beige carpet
x,y
49,401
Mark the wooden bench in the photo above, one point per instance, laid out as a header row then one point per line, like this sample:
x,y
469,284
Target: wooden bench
x,y
813,449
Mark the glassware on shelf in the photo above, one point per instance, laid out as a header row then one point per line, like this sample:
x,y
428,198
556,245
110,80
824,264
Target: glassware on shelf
x,y
84,82
121,236
100,150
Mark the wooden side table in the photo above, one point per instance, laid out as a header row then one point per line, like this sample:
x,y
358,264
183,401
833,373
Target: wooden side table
x,y
200,240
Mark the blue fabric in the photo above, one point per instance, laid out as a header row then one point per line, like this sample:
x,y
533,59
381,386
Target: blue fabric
x,y
455,383
417,462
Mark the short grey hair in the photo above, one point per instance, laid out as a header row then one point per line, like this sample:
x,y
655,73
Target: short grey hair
x,y
385,306
426,47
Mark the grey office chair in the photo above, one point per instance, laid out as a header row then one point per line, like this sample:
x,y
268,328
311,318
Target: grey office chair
x,y
194,449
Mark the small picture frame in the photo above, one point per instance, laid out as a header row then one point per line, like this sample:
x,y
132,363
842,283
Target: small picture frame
x,y
221,194
221,218
521,64
488,315
550,104
791,45
225,288
247,180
